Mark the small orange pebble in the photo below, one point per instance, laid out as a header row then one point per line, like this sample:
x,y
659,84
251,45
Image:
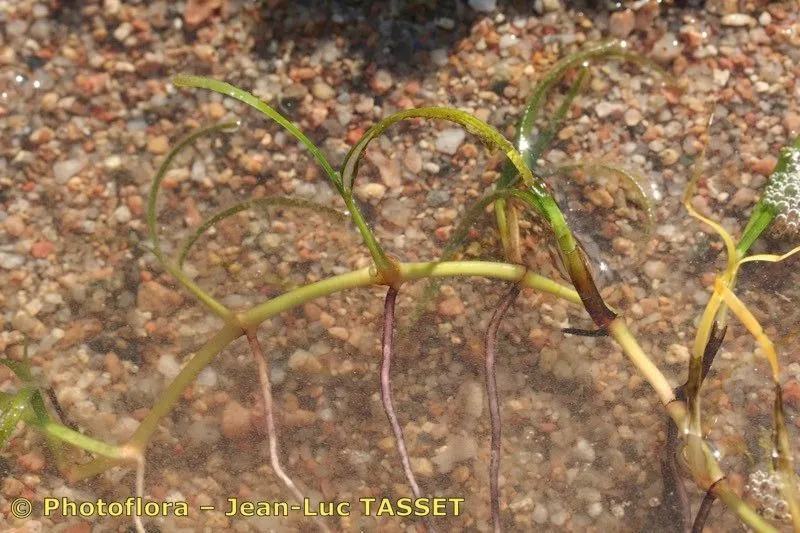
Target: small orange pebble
x,y
354,135
42,249
32,462
791,392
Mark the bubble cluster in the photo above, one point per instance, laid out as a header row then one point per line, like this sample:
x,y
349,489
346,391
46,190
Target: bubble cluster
x,y
783,194
765,488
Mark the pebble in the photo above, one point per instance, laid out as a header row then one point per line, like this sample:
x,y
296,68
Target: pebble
x,y
656,269
437,198
605,109
584,450
483,6
64,170
738,20
158,145
382,81
621,23
452,306
633,117
743,197
122,214
792,123
42,135
304,361
195,12
449,140
123,31
340,333
546,6
540,514
168,366
594,509
764,165
10,261
431,167
507,40
412,161
372,190
669,156
559,518
14,226
601,197
42,249
397,211
322,91
365,105
236,420
28,325
666,48
154,297
113,365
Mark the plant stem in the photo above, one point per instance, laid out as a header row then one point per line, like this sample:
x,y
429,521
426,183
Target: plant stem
x,y
494,403
703,512
619,330
284,302
175,389
407,272
80,440
677,411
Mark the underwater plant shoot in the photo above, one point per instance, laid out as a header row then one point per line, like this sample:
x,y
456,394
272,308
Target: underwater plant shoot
x,y
544,280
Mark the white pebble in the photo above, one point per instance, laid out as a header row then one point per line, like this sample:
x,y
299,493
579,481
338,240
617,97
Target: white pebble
x,y
540,514
122,214
584,451
605,109
738,20
449,140
483,6
655,269
64,170
168,366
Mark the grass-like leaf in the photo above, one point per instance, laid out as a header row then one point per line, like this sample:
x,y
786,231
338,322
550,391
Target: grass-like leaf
x,y
226,89
269,201
12,410
152,218
489,136
636,180
152,222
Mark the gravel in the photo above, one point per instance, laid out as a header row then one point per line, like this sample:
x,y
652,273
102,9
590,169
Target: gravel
x,y
88,114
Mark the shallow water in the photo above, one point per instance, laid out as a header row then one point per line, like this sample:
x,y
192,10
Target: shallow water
x,y
87,114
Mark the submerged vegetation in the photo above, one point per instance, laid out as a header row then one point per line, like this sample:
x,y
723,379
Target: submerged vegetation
x,y
520,190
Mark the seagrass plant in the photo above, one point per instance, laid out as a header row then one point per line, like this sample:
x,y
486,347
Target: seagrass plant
x,y
520,190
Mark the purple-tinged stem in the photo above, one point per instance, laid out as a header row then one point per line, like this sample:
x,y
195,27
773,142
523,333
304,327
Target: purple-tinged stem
x,y
269,412
386,393
705,509
494,404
